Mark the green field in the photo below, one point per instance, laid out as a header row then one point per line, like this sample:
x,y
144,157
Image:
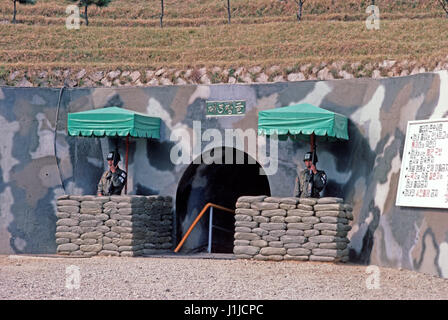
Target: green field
x,y
263,32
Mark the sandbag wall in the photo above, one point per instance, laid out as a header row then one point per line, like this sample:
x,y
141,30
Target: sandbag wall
x,y
113,226
271,228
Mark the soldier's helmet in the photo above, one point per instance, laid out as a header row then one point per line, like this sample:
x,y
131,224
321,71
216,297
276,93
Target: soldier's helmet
x,y
309,157
115,156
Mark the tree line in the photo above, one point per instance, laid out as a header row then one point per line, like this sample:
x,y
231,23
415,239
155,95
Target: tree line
x,y
104,3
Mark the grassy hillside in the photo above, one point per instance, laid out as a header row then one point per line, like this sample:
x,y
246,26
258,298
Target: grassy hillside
x,y
263,33
201,11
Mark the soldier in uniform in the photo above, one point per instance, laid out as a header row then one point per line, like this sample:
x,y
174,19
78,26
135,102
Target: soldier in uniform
x,y
113,180
310,181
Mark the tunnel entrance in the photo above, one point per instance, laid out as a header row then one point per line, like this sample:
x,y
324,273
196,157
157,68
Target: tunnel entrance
x,y
221,184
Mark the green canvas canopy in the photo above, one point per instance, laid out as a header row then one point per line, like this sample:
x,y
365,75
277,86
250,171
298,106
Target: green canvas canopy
x,y
113,121
303,119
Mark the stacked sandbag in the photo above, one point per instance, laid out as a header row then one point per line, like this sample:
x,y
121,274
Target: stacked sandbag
x,y
158,225
68,230
334,216
300,218
273,228
248,234
126,236
76,228
112,226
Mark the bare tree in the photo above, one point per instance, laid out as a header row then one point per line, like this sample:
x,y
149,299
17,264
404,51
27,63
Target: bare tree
x,y
15,7
444,4
87,3
229,15
299,9
162,13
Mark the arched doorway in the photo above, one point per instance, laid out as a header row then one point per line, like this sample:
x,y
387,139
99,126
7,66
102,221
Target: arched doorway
x,y
221,184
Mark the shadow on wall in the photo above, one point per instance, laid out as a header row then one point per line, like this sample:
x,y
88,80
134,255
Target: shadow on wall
x,y
87,166
221,184
356,160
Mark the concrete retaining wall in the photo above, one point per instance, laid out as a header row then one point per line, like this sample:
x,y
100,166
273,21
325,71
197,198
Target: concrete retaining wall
x,y
113,226
273,228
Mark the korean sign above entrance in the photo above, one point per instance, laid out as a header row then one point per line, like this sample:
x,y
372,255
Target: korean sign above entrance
x,y
225,108
424,170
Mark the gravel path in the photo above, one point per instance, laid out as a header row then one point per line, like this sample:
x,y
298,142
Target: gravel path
x,y
30,277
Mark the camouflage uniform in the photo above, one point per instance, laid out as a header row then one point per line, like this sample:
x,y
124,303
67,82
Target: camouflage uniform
x,y
304,184
112,183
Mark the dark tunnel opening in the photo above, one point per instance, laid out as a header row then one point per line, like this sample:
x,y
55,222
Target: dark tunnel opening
x,y
221,184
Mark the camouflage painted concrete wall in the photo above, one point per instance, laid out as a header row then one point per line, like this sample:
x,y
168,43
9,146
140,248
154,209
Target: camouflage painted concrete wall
x,y
39,162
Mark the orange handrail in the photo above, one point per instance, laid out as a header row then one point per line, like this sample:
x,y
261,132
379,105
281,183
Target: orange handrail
x,y
208,205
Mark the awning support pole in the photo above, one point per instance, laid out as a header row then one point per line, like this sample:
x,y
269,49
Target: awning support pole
x,y
313,142
126,164
313,147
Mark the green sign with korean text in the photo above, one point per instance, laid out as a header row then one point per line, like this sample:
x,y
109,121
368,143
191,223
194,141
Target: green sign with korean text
x,y
225,108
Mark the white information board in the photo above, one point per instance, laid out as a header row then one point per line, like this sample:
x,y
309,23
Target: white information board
x,y
424,168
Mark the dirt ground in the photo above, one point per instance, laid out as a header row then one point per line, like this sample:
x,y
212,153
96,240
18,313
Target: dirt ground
x,y
160,278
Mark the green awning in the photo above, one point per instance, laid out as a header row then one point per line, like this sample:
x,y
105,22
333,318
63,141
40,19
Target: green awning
x,y
303,119
113,121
